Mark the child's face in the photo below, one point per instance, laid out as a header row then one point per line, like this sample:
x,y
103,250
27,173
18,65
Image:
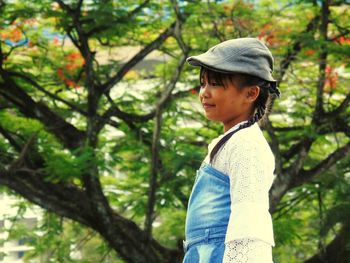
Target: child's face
x,y
227,104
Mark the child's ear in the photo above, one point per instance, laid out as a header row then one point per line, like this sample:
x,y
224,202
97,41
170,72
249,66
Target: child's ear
x,y
252,93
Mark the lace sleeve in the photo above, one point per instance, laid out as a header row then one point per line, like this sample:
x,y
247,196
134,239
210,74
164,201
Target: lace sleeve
x,y
250,168
247,251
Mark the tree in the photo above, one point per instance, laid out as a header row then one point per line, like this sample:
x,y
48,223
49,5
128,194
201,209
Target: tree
x,y
60,112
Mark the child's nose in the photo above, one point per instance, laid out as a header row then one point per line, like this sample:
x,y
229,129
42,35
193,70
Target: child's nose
x,y
204,91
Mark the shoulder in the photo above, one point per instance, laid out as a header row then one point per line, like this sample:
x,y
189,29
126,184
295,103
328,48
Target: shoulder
x,y
250,141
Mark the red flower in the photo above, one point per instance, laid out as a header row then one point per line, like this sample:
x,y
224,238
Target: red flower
x,y
331,78
342,40
60,73
193,91
309,52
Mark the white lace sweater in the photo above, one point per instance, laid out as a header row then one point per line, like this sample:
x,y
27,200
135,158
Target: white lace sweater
x,y
249,162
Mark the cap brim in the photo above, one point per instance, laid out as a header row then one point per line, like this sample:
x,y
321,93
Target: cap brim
x,y
203,61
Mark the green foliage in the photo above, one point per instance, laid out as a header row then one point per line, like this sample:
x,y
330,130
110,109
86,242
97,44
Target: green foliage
x,y
306,215
65,166
170,224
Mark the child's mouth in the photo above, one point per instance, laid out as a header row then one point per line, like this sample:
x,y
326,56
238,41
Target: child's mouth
x,y
208,106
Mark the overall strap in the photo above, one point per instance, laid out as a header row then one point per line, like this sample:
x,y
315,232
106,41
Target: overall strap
x,y
223,141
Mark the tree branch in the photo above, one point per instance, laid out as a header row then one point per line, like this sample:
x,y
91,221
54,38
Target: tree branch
x,y
2,57
82,44
284,180
307,175
70,136
155,144
332,124
157,122
154,173
180,19
274,145
49,94
79,5
322,61
9,137
342,107
291,128
62,199
90,178
127,17
102,119
137,58
294,149
69,201
220,36
337,250
127,117
297,46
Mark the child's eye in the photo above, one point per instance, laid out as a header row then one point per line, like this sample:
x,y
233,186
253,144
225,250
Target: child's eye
x,y
215,84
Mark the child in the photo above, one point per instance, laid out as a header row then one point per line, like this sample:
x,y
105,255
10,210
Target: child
x,y
228,217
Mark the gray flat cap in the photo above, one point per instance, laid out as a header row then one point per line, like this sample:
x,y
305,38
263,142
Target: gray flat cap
x,y
242,55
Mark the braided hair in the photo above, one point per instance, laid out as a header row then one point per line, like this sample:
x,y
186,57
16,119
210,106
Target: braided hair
x,y
261,105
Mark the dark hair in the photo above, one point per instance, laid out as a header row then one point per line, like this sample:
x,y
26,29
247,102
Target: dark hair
x,y
262,104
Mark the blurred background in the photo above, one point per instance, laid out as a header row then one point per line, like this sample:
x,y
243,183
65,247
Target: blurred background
x,y
101,131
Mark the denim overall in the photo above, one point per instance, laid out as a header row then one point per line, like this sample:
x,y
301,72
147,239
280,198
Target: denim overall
x,y
207,217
